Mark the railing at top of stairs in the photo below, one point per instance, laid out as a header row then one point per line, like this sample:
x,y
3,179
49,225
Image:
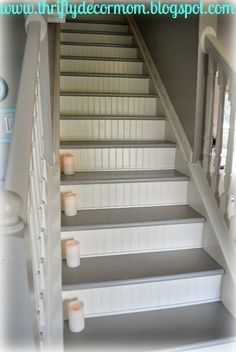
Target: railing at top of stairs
x,y
219,150
24,199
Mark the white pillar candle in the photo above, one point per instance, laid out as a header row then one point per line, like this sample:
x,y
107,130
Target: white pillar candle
x,y
76,316
70,204
72,254
68,162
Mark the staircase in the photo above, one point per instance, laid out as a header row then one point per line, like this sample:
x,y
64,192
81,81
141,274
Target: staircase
x,y
144,278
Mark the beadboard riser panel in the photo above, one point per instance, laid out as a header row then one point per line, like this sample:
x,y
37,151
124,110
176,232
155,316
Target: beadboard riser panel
x,y
96,38
127,194
108,130
146,296
107,105
93,66
104,85
122,158
136,239
95,27
99,51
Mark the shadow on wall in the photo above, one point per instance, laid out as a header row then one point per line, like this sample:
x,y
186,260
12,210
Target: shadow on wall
x,y
173,45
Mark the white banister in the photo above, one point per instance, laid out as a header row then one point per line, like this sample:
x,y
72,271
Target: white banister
x,y
209,116
17,179
225,197
222,65
26,195
219,134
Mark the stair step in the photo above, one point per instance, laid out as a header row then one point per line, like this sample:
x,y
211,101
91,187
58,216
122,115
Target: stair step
x,y
108,18
103,66
112,130
110,104
121,155
96,26
99,50
107,75
104,84
108,59
93,31
103,38
111,95
111,117
140,239
138,268
176,329
130,217
119,195
116,192
115,144
96,177
103,45
143,281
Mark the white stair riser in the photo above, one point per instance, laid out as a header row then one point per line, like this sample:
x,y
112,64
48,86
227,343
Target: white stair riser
x,y
98,51
127,194
104,84
107,130
147,296
136,239
105,105
122,158
96,38
96,27
101,66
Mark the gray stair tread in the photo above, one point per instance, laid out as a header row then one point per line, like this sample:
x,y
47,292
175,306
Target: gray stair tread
x,y
110,117
138,268
115,144
122,95
85,31
168,329
130,217
121,23
94,58
122,176
109,45
112,75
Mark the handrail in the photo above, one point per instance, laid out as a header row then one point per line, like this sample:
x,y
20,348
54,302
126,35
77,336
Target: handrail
x,y
25,196
17,179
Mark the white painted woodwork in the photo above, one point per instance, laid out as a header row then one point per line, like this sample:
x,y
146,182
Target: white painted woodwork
x,y
105,130
209,116
137,239
110,105
147,296
227,192
104,84
128,194
96,38
101,66
122,158
99,51
219,134
83,26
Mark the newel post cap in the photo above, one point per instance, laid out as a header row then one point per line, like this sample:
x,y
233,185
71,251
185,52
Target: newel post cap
x,y
37,18
207,31
10,220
